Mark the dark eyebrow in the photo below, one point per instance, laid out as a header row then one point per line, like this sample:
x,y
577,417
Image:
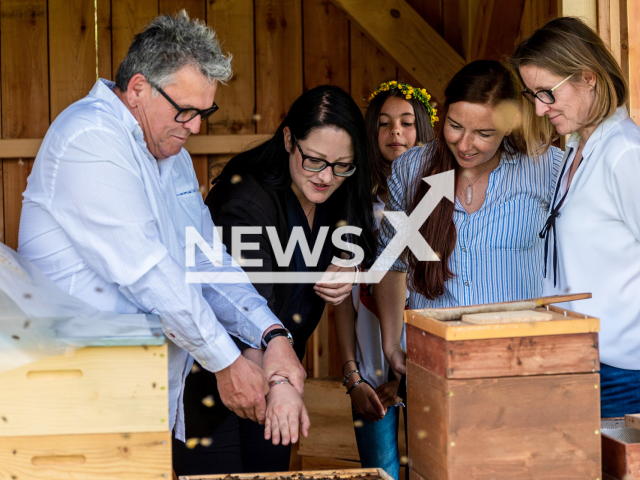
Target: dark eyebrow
x,y
479,130
324,156
401,115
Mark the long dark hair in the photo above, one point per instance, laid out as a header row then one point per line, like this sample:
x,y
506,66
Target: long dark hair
x,y
381,168
268,163
484,82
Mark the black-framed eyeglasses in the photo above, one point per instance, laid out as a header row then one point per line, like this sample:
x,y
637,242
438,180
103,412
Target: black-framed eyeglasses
x,y
186,114
545,96
313,164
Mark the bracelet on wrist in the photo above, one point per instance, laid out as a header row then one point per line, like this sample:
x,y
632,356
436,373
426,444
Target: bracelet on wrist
x,y
345,364
346,377
281,381
362,380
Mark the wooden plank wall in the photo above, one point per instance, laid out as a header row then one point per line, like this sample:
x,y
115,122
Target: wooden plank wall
x,y
52,50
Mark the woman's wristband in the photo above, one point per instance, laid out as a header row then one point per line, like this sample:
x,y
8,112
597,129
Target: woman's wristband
x,y
345,364
358,269
281,381
362,380
346,377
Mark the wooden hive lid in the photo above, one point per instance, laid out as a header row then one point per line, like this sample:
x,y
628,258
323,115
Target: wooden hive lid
x,y
563,322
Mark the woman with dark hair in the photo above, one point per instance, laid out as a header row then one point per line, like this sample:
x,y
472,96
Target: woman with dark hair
x,y
574,86
311,177
487,240
398,118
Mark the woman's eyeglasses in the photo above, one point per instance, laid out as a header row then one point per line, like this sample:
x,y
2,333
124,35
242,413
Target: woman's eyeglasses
x,y
545,96
185,115
313,164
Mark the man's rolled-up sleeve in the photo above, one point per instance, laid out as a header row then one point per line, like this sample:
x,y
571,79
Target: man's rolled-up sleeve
x,y
239,306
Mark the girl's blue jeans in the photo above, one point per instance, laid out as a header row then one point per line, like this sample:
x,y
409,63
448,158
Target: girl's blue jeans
x,y
378,442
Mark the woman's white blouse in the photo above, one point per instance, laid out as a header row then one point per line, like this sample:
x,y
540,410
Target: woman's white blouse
x,y
598,237
498,253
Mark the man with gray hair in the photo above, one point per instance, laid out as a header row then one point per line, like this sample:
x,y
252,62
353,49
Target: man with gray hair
x,y
108,202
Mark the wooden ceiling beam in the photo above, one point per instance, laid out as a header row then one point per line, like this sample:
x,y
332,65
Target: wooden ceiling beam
x,y
395,27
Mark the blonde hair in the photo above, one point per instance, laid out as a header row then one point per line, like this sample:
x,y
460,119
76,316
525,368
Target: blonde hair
x,y
567,46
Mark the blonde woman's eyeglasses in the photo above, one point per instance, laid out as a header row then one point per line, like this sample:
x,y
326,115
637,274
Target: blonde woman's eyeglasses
x,y
545,96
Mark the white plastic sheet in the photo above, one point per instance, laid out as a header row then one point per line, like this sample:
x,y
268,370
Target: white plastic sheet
x,y
37,319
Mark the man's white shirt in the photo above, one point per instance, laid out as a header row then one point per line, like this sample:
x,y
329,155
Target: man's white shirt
x,y
106,222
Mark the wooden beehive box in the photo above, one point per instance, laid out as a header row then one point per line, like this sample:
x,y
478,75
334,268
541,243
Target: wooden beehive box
x,y
347,474
97,413
621,449
504,401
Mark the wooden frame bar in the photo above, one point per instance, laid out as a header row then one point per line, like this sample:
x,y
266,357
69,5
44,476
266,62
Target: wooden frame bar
x,y
196,145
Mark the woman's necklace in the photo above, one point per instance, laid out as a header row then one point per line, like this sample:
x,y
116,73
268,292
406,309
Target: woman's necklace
x,y
470,185
313,207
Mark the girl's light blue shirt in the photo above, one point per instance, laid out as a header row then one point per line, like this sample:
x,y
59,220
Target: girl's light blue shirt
x,y
498,254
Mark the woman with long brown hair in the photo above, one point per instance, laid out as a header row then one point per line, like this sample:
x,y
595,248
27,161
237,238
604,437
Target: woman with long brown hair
x,y
573,85
487,241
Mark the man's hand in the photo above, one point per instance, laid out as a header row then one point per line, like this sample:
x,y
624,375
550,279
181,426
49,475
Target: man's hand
x,y
286,415
243,386
280,359
335,293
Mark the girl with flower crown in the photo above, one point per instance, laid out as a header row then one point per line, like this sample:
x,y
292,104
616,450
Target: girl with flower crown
x,y
399,117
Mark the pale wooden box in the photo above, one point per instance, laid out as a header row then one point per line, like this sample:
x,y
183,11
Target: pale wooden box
x,y
504,401
97,413
107,456
92,390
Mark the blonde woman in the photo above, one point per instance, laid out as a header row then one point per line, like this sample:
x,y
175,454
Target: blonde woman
x,y
573,85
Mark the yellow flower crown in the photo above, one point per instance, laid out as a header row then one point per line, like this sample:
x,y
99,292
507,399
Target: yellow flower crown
x,y
419,94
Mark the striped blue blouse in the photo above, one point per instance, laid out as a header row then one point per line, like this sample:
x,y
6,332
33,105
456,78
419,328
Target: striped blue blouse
x,y
498,253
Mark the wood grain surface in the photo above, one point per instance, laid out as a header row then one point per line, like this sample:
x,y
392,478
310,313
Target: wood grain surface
x,y
326,45
233,22
381,20
503,357
93,390
564,322
103,33
131,456
427,419
278,27
332,434
72,52
128,17
506,317
370,66
504,428
25,103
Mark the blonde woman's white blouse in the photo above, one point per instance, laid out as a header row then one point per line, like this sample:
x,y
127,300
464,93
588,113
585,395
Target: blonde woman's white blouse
x,y
598,237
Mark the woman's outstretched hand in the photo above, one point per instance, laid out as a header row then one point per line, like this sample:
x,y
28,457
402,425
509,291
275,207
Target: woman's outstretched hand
x,y
286,415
